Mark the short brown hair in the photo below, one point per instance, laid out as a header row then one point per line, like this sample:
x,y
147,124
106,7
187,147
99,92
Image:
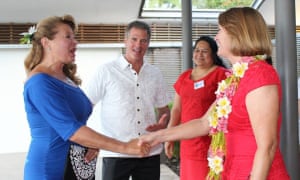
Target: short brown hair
x,y
138,25
248,31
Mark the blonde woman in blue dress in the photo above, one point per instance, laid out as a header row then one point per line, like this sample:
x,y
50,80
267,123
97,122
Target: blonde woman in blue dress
x,y
57,109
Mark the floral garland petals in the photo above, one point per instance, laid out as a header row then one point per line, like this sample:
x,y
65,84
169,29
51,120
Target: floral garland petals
x,y
218,118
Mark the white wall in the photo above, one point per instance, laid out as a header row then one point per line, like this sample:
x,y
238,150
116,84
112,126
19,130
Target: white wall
x,y
14,131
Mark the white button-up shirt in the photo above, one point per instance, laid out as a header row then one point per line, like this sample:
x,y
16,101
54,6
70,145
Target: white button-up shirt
x,y
128,100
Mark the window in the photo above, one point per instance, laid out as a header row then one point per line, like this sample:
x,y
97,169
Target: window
x,y
202,9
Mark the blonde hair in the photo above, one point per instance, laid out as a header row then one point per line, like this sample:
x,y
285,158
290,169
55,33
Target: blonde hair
x,y
247,30
46,28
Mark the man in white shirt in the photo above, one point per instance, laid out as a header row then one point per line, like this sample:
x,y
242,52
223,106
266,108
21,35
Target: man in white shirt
x,y
133,96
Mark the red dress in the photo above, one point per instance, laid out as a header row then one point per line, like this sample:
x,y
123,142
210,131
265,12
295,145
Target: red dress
x,y
196,98
241,144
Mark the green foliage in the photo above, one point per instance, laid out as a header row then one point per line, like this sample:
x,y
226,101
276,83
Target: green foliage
x,y
170,105
176,153
169,4
225,4
198,4
26,39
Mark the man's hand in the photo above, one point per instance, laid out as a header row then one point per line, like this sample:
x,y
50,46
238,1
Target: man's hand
x,y
137,147
162,123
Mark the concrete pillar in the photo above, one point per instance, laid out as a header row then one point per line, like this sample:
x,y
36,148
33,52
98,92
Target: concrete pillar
x,y
286,62
187,42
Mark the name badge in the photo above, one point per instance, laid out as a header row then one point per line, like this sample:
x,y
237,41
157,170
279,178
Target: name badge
x,y
199,84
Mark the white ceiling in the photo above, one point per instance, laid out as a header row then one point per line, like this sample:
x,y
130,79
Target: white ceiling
x,y
89,11
84,11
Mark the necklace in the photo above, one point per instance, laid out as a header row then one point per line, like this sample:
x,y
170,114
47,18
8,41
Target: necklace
x,y
218,118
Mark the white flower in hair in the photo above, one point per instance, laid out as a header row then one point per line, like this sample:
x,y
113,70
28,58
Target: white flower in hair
x,y
27,36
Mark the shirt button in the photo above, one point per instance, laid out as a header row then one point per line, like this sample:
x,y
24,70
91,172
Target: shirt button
x,y
138,109
139,134
139,122
138,97
137,84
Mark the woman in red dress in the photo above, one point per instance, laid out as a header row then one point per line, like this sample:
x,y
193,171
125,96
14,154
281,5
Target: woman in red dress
x,y
245,119
195,92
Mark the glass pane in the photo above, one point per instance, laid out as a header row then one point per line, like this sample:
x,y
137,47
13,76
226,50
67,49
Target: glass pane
x,y
196,4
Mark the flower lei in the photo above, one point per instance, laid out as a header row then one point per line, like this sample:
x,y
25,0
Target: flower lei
x,y
28,36
218,118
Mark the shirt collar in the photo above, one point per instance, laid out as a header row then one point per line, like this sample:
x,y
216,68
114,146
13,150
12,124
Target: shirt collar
x,y
125,64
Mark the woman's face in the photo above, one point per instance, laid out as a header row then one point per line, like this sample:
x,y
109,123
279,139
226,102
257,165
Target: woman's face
x,y
223,40
202,55
63,46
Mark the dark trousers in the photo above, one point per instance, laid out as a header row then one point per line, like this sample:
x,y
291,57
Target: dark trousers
x,y
147,168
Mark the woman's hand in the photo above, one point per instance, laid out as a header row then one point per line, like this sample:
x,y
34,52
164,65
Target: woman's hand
x,y
91,154
169,149
136,147
150,138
